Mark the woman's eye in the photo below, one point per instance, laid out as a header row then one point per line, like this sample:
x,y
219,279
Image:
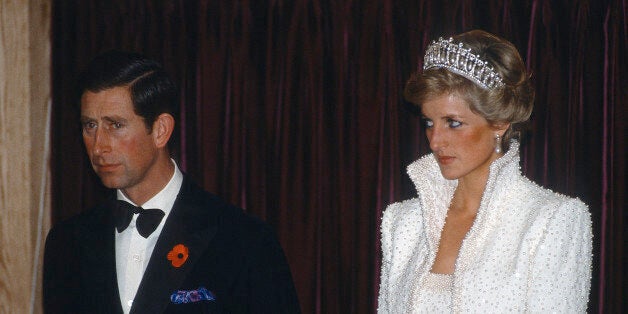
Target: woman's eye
x,y
454,124
428,123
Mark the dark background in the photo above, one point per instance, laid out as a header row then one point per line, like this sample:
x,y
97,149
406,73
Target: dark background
x,y
293,110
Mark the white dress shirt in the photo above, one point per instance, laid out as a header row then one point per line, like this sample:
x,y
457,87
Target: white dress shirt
x,y
132,250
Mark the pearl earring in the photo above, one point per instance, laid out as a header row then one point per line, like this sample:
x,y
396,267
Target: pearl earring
x,y
498,144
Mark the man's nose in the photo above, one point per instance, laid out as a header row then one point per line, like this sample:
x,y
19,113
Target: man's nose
x,y
102,143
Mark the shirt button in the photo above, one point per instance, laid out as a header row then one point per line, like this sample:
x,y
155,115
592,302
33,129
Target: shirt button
x,y
137,257
129,303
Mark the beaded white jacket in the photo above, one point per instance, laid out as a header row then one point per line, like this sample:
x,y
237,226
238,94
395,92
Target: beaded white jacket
x,y
529,249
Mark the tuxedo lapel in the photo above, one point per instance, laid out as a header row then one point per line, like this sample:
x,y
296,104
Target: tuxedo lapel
x,y
98,263
191,223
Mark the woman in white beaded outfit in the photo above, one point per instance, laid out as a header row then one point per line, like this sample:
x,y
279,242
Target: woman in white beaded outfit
x,y
480,237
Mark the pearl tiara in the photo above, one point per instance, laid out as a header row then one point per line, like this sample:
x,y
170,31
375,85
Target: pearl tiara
x,y
445,54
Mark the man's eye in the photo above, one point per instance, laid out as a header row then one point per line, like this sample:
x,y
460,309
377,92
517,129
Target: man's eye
x,y
428,123
89,125
116,125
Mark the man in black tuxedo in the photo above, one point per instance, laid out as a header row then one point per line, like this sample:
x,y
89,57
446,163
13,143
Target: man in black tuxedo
x,y
163,245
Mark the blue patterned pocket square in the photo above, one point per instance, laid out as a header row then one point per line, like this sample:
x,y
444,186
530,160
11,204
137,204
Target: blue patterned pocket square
x,y
188,296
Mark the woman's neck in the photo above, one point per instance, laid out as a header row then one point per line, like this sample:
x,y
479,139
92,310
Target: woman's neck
x,y
468,194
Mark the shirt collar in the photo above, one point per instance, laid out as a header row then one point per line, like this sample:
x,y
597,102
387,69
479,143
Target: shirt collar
x,y
163,200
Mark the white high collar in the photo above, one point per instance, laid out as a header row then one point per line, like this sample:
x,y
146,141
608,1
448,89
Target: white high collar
x,y
435,194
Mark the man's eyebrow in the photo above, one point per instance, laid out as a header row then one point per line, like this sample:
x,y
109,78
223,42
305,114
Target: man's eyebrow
x,y
114,119
106,118
85,119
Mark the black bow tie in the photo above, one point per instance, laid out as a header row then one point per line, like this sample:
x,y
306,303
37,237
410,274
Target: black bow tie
x,y
147,221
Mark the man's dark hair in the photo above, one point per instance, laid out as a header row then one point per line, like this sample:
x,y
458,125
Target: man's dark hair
x,y
152,91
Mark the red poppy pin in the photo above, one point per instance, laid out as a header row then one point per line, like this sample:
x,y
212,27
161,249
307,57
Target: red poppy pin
x,y
178,255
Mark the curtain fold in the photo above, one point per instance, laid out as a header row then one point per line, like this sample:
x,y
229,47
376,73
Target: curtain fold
x,y
294,111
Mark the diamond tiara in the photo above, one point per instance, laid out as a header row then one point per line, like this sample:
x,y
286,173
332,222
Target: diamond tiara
x,y
445,54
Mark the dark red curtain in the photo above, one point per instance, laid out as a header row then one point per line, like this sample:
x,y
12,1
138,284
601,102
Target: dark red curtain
x,y
293,110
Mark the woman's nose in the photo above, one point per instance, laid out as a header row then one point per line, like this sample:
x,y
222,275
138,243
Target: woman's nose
x,y
437,139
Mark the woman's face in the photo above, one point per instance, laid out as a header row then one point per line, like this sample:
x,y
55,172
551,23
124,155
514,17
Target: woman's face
x,y
462,142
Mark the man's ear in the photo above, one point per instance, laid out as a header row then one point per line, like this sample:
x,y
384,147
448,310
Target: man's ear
x,y
162,129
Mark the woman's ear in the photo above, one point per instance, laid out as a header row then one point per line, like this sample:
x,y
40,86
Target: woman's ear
x,y
501,128
162,129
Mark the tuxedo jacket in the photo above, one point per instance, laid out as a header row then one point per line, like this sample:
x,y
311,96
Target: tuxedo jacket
x,y
233,256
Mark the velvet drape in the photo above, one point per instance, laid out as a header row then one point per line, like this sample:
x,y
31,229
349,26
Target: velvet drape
x,y
294,111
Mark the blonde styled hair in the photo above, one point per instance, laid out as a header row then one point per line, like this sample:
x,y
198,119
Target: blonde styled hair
x,y
511,103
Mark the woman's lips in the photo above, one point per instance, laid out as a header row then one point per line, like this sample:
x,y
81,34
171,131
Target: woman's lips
x,y
445,160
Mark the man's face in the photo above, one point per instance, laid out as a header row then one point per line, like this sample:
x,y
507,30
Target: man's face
x,y
121,149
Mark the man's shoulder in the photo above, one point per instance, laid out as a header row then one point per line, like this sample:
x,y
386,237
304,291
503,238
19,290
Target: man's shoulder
x,y
94,214
220,211
68,232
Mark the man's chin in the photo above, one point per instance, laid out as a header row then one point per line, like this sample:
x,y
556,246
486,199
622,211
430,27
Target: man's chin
x,y
111,182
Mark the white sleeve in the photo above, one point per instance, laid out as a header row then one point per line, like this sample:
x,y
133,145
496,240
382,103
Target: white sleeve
x,y
382,301
560,278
